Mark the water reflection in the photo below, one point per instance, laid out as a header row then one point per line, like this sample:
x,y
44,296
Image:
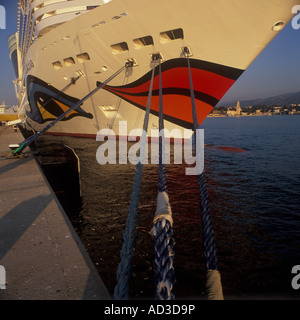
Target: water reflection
x,y
254,206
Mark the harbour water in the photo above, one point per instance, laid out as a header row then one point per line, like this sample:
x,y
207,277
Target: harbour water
x,y
254,200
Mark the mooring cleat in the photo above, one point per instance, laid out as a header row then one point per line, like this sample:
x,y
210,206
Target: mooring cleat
x,y
14,147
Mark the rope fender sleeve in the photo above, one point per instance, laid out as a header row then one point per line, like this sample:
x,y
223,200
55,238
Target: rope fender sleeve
x,y
163,208
213,285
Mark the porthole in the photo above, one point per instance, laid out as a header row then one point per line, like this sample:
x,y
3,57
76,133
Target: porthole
x,y
143,42
82,57
278,26
57,65
171,35
119,47
69,61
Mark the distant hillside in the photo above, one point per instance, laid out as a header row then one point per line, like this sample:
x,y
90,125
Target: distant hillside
x,y
283,99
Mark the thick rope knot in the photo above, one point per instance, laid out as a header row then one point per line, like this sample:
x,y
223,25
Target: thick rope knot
x,y
163,249
163,260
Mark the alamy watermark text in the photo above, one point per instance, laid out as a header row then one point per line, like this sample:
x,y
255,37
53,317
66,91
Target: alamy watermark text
x,y
184,151
296,19
2,18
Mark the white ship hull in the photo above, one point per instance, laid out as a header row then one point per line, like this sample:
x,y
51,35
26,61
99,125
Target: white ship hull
x,y
224,37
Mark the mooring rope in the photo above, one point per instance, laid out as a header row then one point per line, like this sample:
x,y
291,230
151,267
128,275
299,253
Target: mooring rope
x,y
215,289
162,178
32,138
162,231
121,291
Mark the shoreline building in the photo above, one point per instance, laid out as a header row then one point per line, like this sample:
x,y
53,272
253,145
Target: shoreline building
x,y
234,111
8,113
238,109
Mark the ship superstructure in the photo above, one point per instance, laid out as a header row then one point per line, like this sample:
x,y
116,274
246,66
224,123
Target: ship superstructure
x,y
63,49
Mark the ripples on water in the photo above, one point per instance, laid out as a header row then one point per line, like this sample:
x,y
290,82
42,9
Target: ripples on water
x,y
254,199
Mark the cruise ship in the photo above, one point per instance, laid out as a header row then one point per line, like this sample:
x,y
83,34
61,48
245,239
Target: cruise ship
x,y
63,49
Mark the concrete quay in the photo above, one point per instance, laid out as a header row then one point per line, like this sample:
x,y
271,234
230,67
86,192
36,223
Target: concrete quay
x,y
40,251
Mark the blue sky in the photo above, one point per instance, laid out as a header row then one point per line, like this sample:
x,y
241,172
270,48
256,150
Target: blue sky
x,y
7,75
275,71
